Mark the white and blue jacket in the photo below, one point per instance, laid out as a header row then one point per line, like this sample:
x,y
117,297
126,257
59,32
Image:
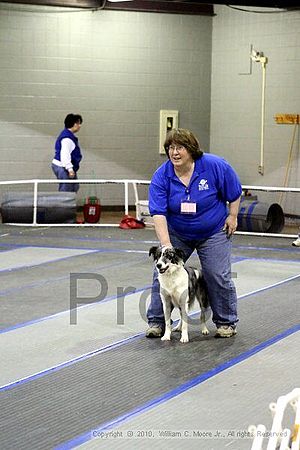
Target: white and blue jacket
x,y
75,155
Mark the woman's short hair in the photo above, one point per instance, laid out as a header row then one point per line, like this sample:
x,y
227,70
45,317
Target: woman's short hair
x,y
181,136
71,119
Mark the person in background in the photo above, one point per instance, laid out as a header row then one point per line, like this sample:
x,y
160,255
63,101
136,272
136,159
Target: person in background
x,y
65,164
194,200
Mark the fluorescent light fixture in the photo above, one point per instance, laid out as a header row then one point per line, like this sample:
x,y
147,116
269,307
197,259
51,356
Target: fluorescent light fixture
x,y
119,1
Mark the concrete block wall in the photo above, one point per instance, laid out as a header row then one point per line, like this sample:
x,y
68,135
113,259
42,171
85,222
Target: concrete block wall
x,y
236,96
117,69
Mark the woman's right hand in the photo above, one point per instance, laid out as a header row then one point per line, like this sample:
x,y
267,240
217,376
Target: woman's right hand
x,y
161,229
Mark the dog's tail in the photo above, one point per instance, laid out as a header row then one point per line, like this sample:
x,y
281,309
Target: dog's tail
x,y
193,282
197,288
203,291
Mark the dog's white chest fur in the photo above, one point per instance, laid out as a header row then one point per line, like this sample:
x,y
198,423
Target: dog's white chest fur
x,y
180,287
174,284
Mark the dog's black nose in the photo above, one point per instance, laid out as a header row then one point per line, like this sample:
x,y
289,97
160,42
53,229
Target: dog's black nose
x,y
158,265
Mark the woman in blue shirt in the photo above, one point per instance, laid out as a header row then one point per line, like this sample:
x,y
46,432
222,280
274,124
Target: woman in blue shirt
x,y
194,199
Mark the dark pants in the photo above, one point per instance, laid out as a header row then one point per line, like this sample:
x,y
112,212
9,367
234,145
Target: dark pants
x,y
62,174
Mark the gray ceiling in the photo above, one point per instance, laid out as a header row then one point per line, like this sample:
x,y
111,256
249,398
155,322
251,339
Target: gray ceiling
x,y
174,6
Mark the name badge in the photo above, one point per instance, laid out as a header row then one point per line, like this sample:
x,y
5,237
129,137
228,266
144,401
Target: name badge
x,y
188,208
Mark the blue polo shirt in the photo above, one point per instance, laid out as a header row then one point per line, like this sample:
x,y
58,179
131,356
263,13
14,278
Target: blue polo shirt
x,y
213,183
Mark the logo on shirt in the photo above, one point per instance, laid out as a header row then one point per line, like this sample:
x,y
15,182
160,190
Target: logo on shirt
x,y
203,186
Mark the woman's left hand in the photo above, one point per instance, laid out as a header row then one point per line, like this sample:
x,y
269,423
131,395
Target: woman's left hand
x,y
230,225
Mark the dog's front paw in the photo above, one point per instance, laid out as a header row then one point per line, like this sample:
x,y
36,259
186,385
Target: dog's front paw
x,y
166,337
205,332
184,338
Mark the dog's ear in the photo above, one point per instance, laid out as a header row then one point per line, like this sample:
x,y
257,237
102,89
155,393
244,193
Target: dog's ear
x,y
153,252
179,253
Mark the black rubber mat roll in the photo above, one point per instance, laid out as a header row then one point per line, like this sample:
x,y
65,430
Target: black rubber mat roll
x,y
53,207
260,217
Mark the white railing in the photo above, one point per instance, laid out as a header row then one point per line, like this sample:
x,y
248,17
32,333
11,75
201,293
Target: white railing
x,y
126,183
286,438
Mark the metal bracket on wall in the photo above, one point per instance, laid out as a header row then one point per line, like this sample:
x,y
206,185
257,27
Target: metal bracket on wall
x,y
287,118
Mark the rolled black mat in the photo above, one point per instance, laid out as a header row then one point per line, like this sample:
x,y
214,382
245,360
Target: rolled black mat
x,y
259,216
52,207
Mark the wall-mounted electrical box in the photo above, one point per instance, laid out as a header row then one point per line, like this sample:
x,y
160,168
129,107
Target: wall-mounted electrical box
x,y
168,120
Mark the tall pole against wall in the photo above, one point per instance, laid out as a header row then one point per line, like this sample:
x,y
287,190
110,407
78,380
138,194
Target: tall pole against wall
x,y
259,57
289,119
263,60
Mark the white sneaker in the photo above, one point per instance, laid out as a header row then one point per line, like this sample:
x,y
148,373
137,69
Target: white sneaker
x,y
155,331
225,331
296,243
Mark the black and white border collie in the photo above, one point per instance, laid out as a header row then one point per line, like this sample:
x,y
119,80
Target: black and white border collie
x,y
179,286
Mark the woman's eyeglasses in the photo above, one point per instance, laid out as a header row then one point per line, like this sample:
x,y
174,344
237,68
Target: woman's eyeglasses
x,y
179,148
